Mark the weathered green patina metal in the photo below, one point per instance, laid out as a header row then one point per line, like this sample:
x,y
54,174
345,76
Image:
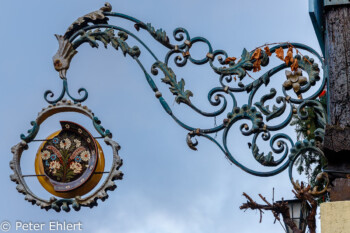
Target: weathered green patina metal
x,y
65,91
177,88
94,27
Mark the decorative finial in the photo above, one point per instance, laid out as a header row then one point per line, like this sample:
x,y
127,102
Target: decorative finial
x,y
107,7
64,55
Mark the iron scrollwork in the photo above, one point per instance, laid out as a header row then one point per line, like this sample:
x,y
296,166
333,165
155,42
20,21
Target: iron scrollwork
x,y
259,115
95,27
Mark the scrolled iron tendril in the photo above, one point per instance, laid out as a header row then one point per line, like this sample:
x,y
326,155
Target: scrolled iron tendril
x,y
227,70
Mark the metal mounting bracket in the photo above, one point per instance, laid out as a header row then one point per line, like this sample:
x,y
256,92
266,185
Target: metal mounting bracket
x,y
316,12
316,15
336,2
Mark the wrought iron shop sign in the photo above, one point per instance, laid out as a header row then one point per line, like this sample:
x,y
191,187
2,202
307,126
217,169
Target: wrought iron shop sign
x,y
70,162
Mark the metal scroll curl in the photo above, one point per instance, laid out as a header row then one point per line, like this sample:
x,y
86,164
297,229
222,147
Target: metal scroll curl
x,y
321,180
302,73
77,202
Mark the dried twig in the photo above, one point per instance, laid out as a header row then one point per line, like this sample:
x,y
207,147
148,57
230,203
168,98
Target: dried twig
x,y
304,194
281,208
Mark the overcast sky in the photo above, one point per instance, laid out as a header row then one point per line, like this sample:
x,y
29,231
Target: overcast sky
x,y
167,187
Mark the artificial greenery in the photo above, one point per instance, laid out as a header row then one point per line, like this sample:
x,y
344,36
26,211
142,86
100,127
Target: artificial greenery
x,y
310,163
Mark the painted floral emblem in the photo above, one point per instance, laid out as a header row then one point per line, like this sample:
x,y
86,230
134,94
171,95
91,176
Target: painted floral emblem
x,y
54,166
65,143
76,167
67,157
85,155
45,155
77,143
55,140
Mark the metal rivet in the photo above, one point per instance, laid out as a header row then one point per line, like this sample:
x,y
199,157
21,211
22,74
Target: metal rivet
x,y
226,89
188,43
210,56
158,94
186,54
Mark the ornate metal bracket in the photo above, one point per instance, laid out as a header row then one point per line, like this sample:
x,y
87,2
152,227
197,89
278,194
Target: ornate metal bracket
x,y
335,2
297,93
305,74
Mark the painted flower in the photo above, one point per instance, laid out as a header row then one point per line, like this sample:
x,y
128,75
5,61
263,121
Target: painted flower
x,y
76,167
77,159
77,143
45,155
65,143
85,155
54,166
55,140
80,131
53,157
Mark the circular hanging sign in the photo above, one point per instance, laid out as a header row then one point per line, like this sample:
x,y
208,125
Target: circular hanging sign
x,y
70,162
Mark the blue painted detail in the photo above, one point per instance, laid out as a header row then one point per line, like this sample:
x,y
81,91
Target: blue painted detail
x,y
102,131
31,133
63,92
335,2
316,15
